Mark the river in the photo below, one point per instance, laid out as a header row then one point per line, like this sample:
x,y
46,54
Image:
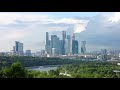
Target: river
x,y
43,68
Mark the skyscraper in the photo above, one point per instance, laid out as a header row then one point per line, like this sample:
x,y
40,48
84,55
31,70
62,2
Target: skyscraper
x,y
103,54
61,51
67,45
83,47
47,38
55,43
52,40
18,48
28,53
16,45
63,38
63,35
47,46
74,47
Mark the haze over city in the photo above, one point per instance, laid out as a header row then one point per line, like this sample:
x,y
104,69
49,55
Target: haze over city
x,y
100,29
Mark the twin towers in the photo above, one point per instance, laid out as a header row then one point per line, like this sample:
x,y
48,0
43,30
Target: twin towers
x,y
66,46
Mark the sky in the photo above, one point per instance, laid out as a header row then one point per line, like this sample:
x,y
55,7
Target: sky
x,y
29,27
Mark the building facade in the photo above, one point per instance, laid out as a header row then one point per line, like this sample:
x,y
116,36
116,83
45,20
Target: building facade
x,y
74,47
103,54
28,53
83,47
18,48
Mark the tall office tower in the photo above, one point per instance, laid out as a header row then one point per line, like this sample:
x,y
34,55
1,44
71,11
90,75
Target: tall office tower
x,y
16,45
18,48
28,53
52,40
74,47
63,38
63,35
47,38
104,54
55,43
67,45
61,47
83,47
71,43
71,47
47,46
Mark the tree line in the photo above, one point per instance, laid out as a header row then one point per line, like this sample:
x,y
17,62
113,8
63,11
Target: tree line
x,y
76,70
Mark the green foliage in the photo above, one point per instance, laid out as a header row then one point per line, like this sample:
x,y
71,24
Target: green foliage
x,y
28,61
13,67
91,70
15,71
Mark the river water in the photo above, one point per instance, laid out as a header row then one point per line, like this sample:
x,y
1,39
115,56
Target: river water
x,y
43,68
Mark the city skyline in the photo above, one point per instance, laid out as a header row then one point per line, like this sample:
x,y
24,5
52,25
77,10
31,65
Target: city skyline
x,y
30,28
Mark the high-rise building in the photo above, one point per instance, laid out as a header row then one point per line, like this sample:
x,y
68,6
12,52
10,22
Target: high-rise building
x,y
103,54
28,53
47,38
61,51
47,46
52,40
18,48
55,43
67,45
74,47
83,47
63,38
16,45
63,35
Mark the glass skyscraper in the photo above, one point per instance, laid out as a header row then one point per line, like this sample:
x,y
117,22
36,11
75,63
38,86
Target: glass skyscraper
x,y
83,47
67,44
47,46
74,47
18,48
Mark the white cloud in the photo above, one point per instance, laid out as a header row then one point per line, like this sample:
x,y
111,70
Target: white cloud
x,y
10,18
115,17
33,32
101,32
79,25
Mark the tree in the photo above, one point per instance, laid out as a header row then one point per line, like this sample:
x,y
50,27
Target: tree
x,y
18,71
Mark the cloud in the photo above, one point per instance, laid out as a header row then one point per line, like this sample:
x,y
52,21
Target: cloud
x,y
101,32
115,17
12,18
79,24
